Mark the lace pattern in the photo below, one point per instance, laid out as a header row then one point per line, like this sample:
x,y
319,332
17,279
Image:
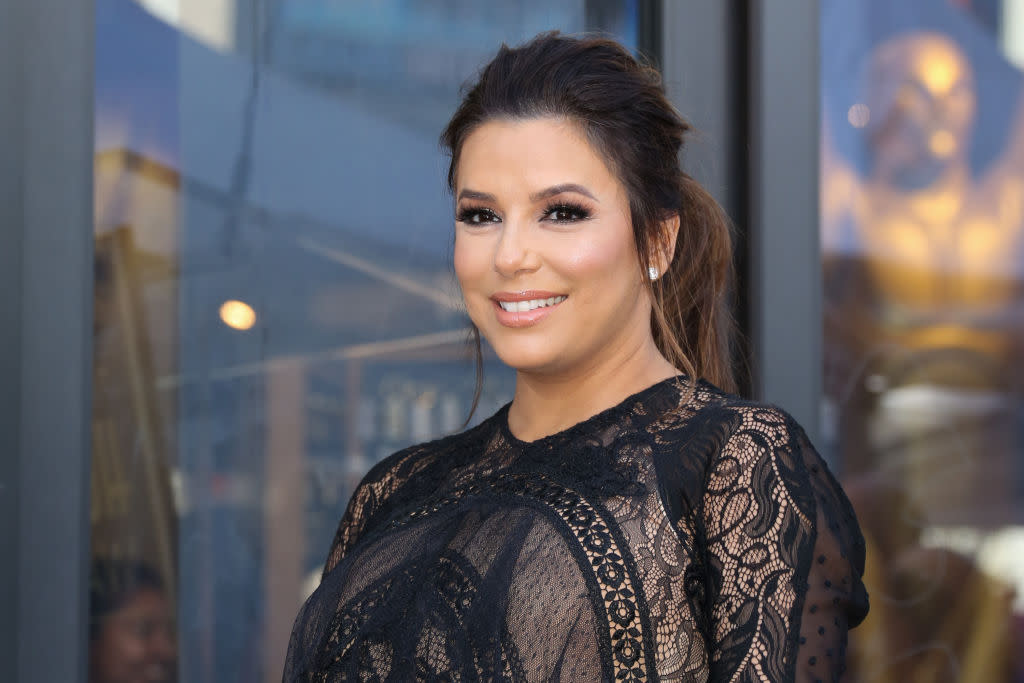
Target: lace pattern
x,y
683,535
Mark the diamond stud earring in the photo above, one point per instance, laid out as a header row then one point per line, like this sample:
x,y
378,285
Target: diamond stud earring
x,y
652,272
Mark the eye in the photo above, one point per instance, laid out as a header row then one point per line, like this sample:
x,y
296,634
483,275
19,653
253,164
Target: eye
x,y
566,213
471,215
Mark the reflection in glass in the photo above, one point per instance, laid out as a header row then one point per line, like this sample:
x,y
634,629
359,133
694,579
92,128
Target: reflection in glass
x,y
923,248
275,307
131,630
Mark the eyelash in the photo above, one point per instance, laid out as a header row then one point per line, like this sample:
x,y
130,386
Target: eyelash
x,y
578,213
467,213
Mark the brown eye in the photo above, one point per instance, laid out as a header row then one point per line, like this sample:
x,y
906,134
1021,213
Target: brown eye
x,y
472,216
566,213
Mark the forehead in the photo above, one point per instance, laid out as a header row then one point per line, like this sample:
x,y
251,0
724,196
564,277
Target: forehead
x,y
535,152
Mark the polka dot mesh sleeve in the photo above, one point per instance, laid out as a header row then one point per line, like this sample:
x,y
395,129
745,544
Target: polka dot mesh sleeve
x,y
784,556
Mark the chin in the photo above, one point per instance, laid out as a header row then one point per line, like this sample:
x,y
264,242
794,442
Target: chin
x,y
528,357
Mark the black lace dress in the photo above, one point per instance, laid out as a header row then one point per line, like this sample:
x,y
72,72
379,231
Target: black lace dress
x,y
683,535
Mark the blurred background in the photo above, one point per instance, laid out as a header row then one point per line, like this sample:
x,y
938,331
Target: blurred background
x,y
274,308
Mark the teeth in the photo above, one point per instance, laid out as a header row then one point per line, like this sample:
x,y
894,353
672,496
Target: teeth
x,y
523,306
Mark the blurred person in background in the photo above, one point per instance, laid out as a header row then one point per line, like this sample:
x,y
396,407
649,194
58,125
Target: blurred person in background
x,y
131,631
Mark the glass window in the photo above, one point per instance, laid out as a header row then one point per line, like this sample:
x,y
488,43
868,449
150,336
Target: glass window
x,y
275,303
922,236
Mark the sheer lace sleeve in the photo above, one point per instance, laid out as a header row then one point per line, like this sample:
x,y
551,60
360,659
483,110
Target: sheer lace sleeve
x,y
359,511
784,556
370,498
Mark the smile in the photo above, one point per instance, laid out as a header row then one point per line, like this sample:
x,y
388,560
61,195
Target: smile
x,y
530,304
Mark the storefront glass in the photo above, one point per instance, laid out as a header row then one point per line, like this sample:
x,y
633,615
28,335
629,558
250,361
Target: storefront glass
x,y
275,305
922,236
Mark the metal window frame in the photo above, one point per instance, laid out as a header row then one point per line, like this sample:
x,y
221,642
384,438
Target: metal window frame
x,y
705,78
786,276
747,78
46,273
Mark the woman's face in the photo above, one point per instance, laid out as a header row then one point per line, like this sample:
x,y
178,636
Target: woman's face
x,y
136,643
544,248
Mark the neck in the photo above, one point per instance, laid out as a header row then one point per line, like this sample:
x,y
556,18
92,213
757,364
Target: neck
x,y
545,404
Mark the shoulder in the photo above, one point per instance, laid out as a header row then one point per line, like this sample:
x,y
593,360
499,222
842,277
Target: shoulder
x,y
709,421
720,444
419,465
751,434
765,463
736,421
402,479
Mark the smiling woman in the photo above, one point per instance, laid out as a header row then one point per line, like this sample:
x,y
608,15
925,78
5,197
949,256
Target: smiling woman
x,y
623,518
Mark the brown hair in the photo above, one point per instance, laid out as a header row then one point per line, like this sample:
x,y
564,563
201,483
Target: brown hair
x,y
620,105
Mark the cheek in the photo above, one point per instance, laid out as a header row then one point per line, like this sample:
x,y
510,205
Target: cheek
x,y
471,259
597,262
467,261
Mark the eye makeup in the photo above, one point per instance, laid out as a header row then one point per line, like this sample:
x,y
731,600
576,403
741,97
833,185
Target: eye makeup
x,y
555,212
476,215
565,212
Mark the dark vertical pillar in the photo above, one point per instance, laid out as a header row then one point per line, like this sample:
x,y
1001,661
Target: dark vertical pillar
x,y
46,272
649,21
704,63
10,321
698,57
785,260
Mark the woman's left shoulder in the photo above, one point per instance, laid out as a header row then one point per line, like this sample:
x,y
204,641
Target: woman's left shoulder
x,y
714,439
767,455
739,443
741,423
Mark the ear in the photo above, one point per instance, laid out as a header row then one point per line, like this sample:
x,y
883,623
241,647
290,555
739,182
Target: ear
x,y
664,245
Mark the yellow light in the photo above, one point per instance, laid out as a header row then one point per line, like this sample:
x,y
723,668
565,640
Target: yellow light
x,y
237,314
858,115
939,71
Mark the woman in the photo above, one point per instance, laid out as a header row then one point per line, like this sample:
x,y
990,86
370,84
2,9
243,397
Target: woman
x,y
618,520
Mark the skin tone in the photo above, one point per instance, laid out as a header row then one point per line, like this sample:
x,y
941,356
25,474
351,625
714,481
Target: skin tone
x,y
136,643
539,215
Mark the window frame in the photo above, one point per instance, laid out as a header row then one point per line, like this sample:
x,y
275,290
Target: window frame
x,y
46,271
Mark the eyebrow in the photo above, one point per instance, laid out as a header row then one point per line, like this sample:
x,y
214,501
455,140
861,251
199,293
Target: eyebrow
x,y
535,197
559,189
473,194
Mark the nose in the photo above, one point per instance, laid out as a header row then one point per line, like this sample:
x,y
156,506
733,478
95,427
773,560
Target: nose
x,y
515,253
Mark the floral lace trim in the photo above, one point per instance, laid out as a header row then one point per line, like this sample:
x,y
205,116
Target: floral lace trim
x,y
606,558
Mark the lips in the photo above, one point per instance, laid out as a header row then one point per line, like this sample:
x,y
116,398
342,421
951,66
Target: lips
x,y
522,309
530,304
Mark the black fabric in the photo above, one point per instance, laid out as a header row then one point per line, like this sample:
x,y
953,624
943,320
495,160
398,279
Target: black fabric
x,y
683,535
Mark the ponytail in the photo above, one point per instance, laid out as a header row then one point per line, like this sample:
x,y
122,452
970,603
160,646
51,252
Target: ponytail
x,y
691,320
